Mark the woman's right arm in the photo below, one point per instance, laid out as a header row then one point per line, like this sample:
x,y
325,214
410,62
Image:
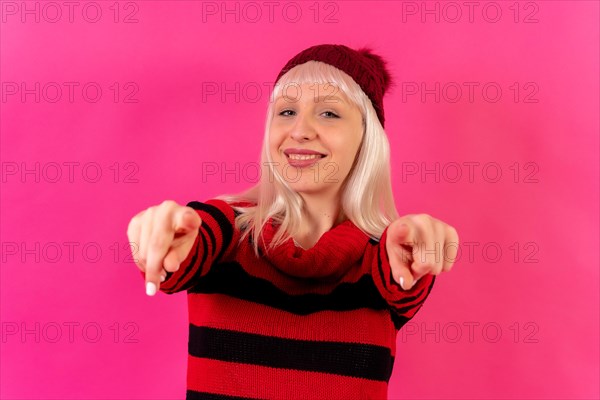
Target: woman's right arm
x,y
176,245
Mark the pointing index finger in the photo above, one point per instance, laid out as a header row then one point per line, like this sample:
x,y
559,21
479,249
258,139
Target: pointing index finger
x,y
158,245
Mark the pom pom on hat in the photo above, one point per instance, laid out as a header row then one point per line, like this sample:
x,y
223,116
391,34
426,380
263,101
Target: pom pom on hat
x,y
369,70
380,64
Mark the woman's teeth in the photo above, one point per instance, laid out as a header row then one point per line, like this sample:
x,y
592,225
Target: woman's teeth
x,y
304,157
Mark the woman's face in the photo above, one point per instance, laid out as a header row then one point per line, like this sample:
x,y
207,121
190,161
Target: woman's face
x,y
320,118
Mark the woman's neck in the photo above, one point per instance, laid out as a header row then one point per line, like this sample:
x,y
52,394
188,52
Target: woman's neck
x,y
319,215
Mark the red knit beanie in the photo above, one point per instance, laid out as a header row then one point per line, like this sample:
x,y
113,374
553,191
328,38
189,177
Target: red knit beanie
x,y
367,69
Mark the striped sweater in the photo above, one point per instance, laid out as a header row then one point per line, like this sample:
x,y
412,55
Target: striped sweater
x,y
294,323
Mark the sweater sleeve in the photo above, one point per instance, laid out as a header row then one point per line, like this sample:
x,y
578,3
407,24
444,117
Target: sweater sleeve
x,y
215,241
403,304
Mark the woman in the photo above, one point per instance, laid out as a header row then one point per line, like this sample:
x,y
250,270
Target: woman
x,y
298,287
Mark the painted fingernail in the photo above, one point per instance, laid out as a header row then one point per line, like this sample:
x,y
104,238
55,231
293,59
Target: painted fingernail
x,y
402,282
162,278
150,289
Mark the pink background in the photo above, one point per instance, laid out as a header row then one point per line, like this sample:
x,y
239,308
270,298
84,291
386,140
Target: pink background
x,y
533,309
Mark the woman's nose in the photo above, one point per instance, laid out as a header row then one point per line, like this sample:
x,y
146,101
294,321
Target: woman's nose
x,y
303,129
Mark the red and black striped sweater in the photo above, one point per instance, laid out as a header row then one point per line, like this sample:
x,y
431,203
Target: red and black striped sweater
x,y
293,324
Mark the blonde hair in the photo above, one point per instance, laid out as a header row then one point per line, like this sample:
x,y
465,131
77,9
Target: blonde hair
x,y
366,194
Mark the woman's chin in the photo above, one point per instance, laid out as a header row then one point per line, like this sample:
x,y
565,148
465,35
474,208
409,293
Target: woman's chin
x,y
310,187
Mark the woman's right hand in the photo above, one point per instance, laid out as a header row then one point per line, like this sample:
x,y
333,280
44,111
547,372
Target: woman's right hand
x,y
163,236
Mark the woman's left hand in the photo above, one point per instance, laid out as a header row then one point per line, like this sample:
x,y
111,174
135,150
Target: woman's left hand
x,y
417,245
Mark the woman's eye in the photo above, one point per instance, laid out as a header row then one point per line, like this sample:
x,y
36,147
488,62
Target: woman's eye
x,y
330,114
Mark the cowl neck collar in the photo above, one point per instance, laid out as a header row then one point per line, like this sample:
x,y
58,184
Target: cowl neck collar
x,y
336,251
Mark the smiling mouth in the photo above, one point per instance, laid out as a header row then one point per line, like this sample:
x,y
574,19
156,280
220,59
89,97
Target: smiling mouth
x,y
305,157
